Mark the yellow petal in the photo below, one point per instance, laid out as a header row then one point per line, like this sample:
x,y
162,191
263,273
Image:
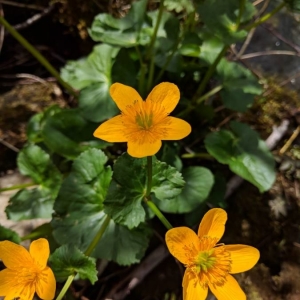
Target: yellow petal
x,y
176,129
182,243
165,93
124,95
213,223
14,256
243,257
39,251
230,290
111,131
192,290
46,285
144,149
7,281
19,291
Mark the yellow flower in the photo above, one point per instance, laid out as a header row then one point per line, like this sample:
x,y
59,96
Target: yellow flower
x,y
209,264
26,272
144,124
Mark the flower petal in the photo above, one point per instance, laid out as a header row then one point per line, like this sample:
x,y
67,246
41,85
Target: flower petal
x,y
12,289
46,285
230,290
192,290
165,93
111,130
143,149
14,256
7,281
39,251
124,95
182,243
213,223
176,129
243,257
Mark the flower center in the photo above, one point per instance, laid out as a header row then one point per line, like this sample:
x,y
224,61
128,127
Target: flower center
x,y
144,120
211,264
27,275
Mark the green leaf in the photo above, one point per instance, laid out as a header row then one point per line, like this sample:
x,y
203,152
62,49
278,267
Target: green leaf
x,y
221,17
179,5
79,216
124,198
93,77
293,5
215,199
33,129
240,85
198,183
169,155
125,69
7,234
124,32
37,202
191,45
36,163
86,185
68,259
31,204
67,133
245,153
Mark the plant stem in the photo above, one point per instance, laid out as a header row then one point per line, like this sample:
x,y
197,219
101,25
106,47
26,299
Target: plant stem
x,y
153,38
87,252
37,55
241,12
265,17
201,99
149,175
65,287
198,155
159,214
98,237
151,74
210,72
142,80
17,187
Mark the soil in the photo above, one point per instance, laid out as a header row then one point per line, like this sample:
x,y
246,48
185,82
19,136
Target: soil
x,y
268,221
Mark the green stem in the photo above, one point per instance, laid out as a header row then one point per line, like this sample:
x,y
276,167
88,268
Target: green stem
x,y
163,69
210,72
151,74
139,54
98,237
241,12
201,99
65,287
37,55
265,17
149,175
142,80
198,155
88,252
159,214
17,187
153,38
210,93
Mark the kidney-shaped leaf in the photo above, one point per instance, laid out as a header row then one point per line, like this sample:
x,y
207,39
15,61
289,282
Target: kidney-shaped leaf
x,y
198,184
245,153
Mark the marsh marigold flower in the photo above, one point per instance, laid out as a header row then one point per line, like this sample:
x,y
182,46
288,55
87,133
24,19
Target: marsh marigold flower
x,y
26,272
144,124
209,264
